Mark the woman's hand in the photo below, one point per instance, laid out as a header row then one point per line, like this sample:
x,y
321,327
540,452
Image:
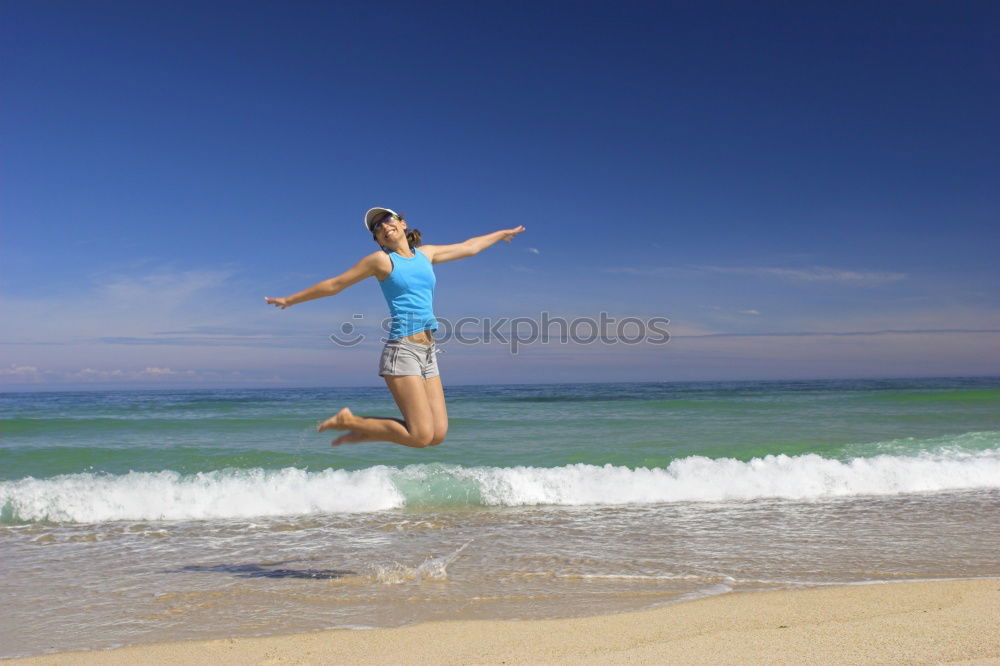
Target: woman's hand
x,y
278,302
509,234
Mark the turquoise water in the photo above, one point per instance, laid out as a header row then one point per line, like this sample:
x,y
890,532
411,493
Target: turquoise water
x,y
545,500
637,425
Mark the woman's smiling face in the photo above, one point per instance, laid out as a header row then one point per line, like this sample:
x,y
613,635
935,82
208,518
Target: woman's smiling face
x,y
388,229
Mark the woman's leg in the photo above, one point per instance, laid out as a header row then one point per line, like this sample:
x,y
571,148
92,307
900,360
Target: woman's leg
x,y
416,429
439,410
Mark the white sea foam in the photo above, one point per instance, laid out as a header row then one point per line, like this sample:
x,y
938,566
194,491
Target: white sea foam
x,y
697,478
88,498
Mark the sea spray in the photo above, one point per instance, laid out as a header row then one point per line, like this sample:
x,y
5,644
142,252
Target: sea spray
x,y
435,568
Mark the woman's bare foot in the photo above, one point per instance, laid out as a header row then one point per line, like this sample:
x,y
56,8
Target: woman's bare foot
x,y
350,438
338,421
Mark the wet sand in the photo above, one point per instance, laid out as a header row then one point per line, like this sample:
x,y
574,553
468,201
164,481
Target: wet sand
x,y
908,623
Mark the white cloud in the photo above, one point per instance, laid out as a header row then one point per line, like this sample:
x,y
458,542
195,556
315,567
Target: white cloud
x,y
808,274
749,312
534,250
91,374
163,288
653,271
166,372
22,372
814,274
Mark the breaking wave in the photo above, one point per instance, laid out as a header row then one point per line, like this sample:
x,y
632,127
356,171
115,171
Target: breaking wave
x,y
248,493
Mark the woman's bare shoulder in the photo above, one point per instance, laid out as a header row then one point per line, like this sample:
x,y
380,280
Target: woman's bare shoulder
x,y
379,262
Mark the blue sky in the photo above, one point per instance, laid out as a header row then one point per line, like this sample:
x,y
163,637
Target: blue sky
x,y
803,189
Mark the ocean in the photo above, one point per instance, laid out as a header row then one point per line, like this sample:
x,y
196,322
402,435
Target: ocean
x,y
130,517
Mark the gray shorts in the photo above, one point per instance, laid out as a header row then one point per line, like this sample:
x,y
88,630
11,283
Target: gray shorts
x,y
403,357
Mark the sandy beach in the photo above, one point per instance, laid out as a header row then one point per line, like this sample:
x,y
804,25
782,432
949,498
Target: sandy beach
x,y
909,623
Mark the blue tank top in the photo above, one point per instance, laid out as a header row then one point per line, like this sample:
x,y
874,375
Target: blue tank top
x,y
409,291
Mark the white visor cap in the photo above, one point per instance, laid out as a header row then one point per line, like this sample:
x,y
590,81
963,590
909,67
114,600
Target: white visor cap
x,y
375,213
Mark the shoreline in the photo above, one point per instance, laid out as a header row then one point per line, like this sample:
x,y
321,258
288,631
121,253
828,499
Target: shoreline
x,y
929,621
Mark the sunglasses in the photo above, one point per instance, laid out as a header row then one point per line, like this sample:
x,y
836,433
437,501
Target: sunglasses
x,y
387,218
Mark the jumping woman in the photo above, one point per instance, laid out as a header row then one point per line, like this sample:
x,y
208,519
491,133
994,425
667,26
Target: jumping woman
x,y
404,270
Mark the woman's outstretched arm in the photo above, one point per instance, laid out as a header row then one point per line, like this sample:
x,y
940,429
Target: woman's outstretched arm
x,y
361,270
440,253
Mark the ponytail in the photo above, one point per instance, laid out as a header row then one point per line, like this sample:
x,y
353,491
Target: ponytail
x,y
413,237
